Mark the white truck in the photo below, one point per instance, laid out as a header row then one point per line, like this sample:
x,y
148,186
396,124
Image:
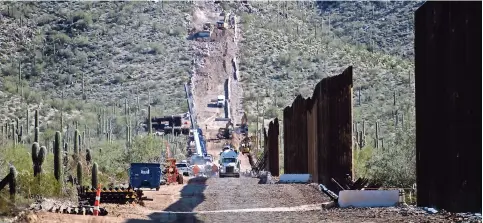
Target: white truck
x,y
229,164
220,102
183,168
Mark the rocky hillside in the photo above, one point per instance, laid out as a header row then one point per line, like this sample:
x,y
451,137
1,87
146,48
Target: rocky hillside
x,y
288,47
98,51
380,25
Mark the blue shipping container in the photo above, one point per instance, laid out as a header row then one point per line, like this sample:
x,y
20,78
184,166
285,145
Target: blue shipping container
x,y
145,175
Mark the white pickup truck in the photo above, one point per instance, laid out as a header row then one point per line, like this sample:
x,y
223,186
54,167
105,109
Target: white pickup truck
x,y
183,168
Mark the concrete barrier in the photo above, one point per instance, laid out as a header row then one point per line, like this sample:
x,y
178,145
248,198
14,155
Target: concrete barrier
x,y
295,178
368,198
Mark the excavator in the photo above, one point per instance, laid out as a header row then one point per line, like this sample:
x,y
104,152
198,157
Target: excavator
x,y
227,132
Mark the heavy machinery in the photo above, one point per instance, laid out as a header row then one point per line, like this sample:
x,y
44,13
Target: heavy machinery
x,y
220,101
227,132
246,145
204,34
244,124
171,173
225,22
229,164
173,124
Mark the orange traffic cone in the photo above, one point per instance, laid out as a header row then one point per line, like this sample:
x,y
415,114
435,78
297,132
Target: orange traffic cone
x,y
97,201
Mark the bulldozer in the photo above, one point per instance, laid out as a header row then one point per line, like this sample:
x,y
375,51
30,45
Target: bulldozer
x,y
227,132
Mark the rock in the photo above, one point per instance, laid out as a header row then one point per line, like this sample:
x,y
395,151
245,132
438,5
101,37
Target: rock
x,y
265,178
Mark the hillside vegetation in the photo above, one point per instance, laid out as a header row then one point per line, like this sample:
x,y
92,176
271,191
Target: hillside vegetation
x,y
98,51
92,67
288,47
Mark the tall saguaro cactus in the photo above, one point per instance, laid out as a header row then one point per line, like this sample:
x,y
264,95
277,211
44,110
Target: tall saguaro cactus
x,y
150,122
35,153
94,179
57,157
79,173
88,156
76,143
377,136
36,135
38,157
36,125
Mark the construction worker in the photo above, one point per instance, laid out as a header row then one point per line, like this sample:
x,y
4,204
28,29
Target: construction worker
x,y
214,169
196,170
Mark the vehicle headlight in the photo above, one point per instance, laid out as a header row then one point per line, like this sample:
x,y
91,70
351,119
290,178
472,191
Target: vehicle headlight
x,y
222,170
236,169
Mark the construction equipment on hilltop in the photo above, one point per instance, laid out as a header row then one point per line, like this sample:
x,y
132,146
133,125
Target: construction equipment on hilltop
x,y
172,124
244,124
227,132
220,101
171,172
204,34
225,22
246,145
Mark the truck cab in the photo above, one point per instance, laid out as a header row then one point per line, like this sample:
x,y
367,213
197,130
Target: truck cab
x,y
183,168
220,102
229,164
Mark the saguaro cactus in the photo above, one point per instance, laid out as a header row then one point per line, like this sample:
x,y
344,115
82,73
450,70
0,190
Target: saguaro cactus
x,y
88,156
57,157
94,175
35,153
41,157
13,182
79,173
150,123
28,123
36,119
36,135
377,136
76,142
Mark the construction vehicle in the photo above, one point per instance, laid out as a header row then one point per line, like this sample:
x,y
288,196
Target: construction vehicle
x,y
227,132
223,24
229,164
171,173
172,124
220,102
244,124
145,175
204,34
246,145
